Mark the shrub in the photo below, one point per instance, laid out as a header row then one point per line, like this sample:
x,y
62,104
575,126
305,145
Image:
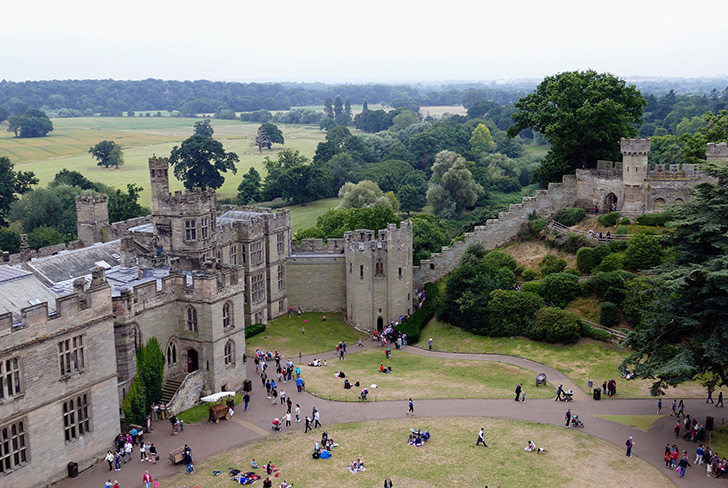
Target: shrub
x,y
573,242
656,219
500,259
552,264
586,259
560,288
9,240
570,216
625,221
519,270
510,313
529,275
615,294
601,282
602,251
254,329
609,220
555,325
622,230
134,404
572,271
613,262
608,314
617,246
589,331
536,226
535,287
643,251
417,321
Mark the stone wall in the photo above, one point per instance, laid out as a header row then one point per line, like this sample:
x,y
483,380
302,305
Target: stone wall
x,y
316,282
498,232
188,394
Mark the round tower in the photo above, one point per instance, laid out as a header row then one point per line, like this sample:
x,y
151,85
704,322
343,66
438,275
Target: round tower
x,y
635,153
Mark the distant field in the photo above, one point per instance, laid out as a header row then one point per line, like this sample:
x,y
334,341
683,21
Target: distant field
x,y
304,216
440,110
537,149
141,137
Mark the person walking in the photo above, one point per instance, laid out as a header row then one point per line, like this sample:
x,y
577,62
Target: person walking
x,y
518,391
681,409
710,395
659,406
308,425
246,400
429,344
110,459
559,391
288,420
630,443
117,461
568,417
388,483
411,407
720,399
316,422
674,408
682,465
481,439
147,479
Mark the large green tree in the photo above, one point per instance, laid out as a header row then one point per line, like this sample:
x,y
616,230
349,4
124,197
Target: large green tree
x,y
682,333
366,193
204,128
33,123
249,188
715,129
200,160
452,187
583,114
107,153
12,184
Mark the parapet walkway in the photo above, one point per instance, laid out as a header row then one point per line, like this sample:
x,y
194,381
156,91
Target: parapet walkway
x,y
208,439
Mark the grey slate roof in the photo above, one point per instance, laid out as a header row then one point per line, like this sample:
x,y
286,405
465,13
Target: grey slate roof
x,y
79,262
238,216
20,289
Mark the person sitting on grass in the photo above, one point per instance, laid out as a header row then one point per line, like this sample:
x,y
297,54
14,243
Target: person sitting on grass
x,y
347,385
530,447
384,370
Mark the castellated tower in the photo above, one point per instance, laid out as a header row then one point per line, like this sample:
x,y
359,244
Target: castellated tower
x,y
378,276
716,152
635,153
92,218
184,223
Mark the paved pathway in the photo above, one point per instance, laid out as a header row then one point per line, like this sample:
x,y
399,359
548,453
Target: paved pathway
x,y
208,439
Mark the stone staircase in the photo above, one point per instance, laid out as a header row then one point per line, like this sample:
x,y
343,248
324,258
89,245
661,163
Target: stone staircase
x,y
169,388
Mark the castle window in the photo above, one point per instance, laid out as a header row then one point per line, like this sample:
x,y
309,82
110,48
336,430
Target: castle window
x,y
361,271
234,254
281,306
204,226
400,272
379,268
76,420
281,277
256,253
70,355
351,268
13,446
190,230
242,255
280,245
230,353
191,319
10,378
171,354
227,314
257,288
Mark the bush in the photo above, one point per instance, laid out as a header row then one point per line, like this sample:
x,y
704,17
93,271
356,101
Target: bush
x,y
613,262
572,271
589,331
573,242
500,259
535,287
643,251
552,264
519,270
529,275
536,226
609,220
555,325
600,283
560,288
656,219
417,321
625,221
608,315
9,240
510,313
617,246
586,259
254,329
134,405
570,216
622,230
602,251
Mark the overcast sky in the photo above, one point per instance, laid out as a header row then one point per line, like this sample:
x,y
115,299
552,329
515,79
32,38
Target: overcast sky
x,y
364,41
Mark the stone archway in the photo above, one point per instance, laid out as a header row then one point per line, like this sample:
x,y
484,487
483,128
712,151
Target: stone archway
x,y
659,202
380,324
610,203
193,363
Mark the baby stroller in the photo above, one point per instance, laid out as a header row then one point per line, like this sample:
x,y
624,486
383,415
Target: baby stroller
x,y
575,422
364,394
276,424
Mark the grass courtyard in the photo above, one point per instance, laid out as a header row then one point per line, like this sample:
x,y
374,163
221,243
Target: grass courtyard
x,y
449,459
419,377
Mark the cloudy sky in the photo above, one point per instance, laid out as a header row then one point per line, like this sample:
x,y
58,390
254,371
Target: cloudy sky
x,y
360,41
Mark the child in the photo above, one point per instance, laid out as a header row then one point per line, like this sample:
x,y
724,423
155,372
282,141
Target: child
x,y
523,398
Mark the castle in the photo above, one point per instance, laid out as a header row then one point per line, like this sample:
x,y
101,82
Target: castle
x,y
193,275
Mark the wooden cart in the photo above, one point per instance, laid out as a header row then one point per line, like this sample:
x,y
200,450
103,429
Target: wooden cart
x,y
177,455
218,412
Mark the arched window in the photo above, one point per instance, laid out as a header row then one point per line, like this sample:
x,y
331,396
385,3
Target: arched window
x,y
171,354
229,353
379,268
227,314
191,319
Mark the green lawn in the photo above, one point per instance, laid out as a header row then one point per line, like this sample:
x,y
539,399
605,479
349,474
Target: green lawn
x,y
419,377
641,422
536,149
284,335
303,216
141,137
588,360
449,459
719,440
201,412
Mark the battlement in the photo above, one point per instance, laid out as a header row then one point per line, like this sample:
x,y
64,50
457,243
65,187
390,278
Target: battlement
x,y
189,199
77,308
716,151
635,146
392,231
317,246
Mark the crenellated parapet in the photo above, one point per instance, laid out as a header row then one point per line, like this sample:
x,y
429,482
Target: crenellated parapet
x,y
635,146
318,246
716,151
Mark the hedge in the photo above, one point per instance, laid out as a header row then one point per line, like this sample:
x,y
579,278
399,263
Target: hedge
x,y
552,264
570,216
589,331
555,325
609,315
609,220
254,329
656,219
418,320
586,261
533,287
560,288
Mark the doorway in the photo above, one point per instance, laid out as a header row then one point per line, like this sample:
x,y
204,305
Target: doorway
x,y
610,203
192,361
380,324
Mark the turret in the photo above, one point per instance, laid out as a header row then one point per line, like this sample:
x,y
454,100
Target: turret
x,y
634,156
715,152
159,178
92,218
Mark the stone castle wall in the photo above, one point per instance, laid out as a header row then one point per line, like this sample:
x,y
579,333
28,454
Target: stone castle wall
x,y
317,282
